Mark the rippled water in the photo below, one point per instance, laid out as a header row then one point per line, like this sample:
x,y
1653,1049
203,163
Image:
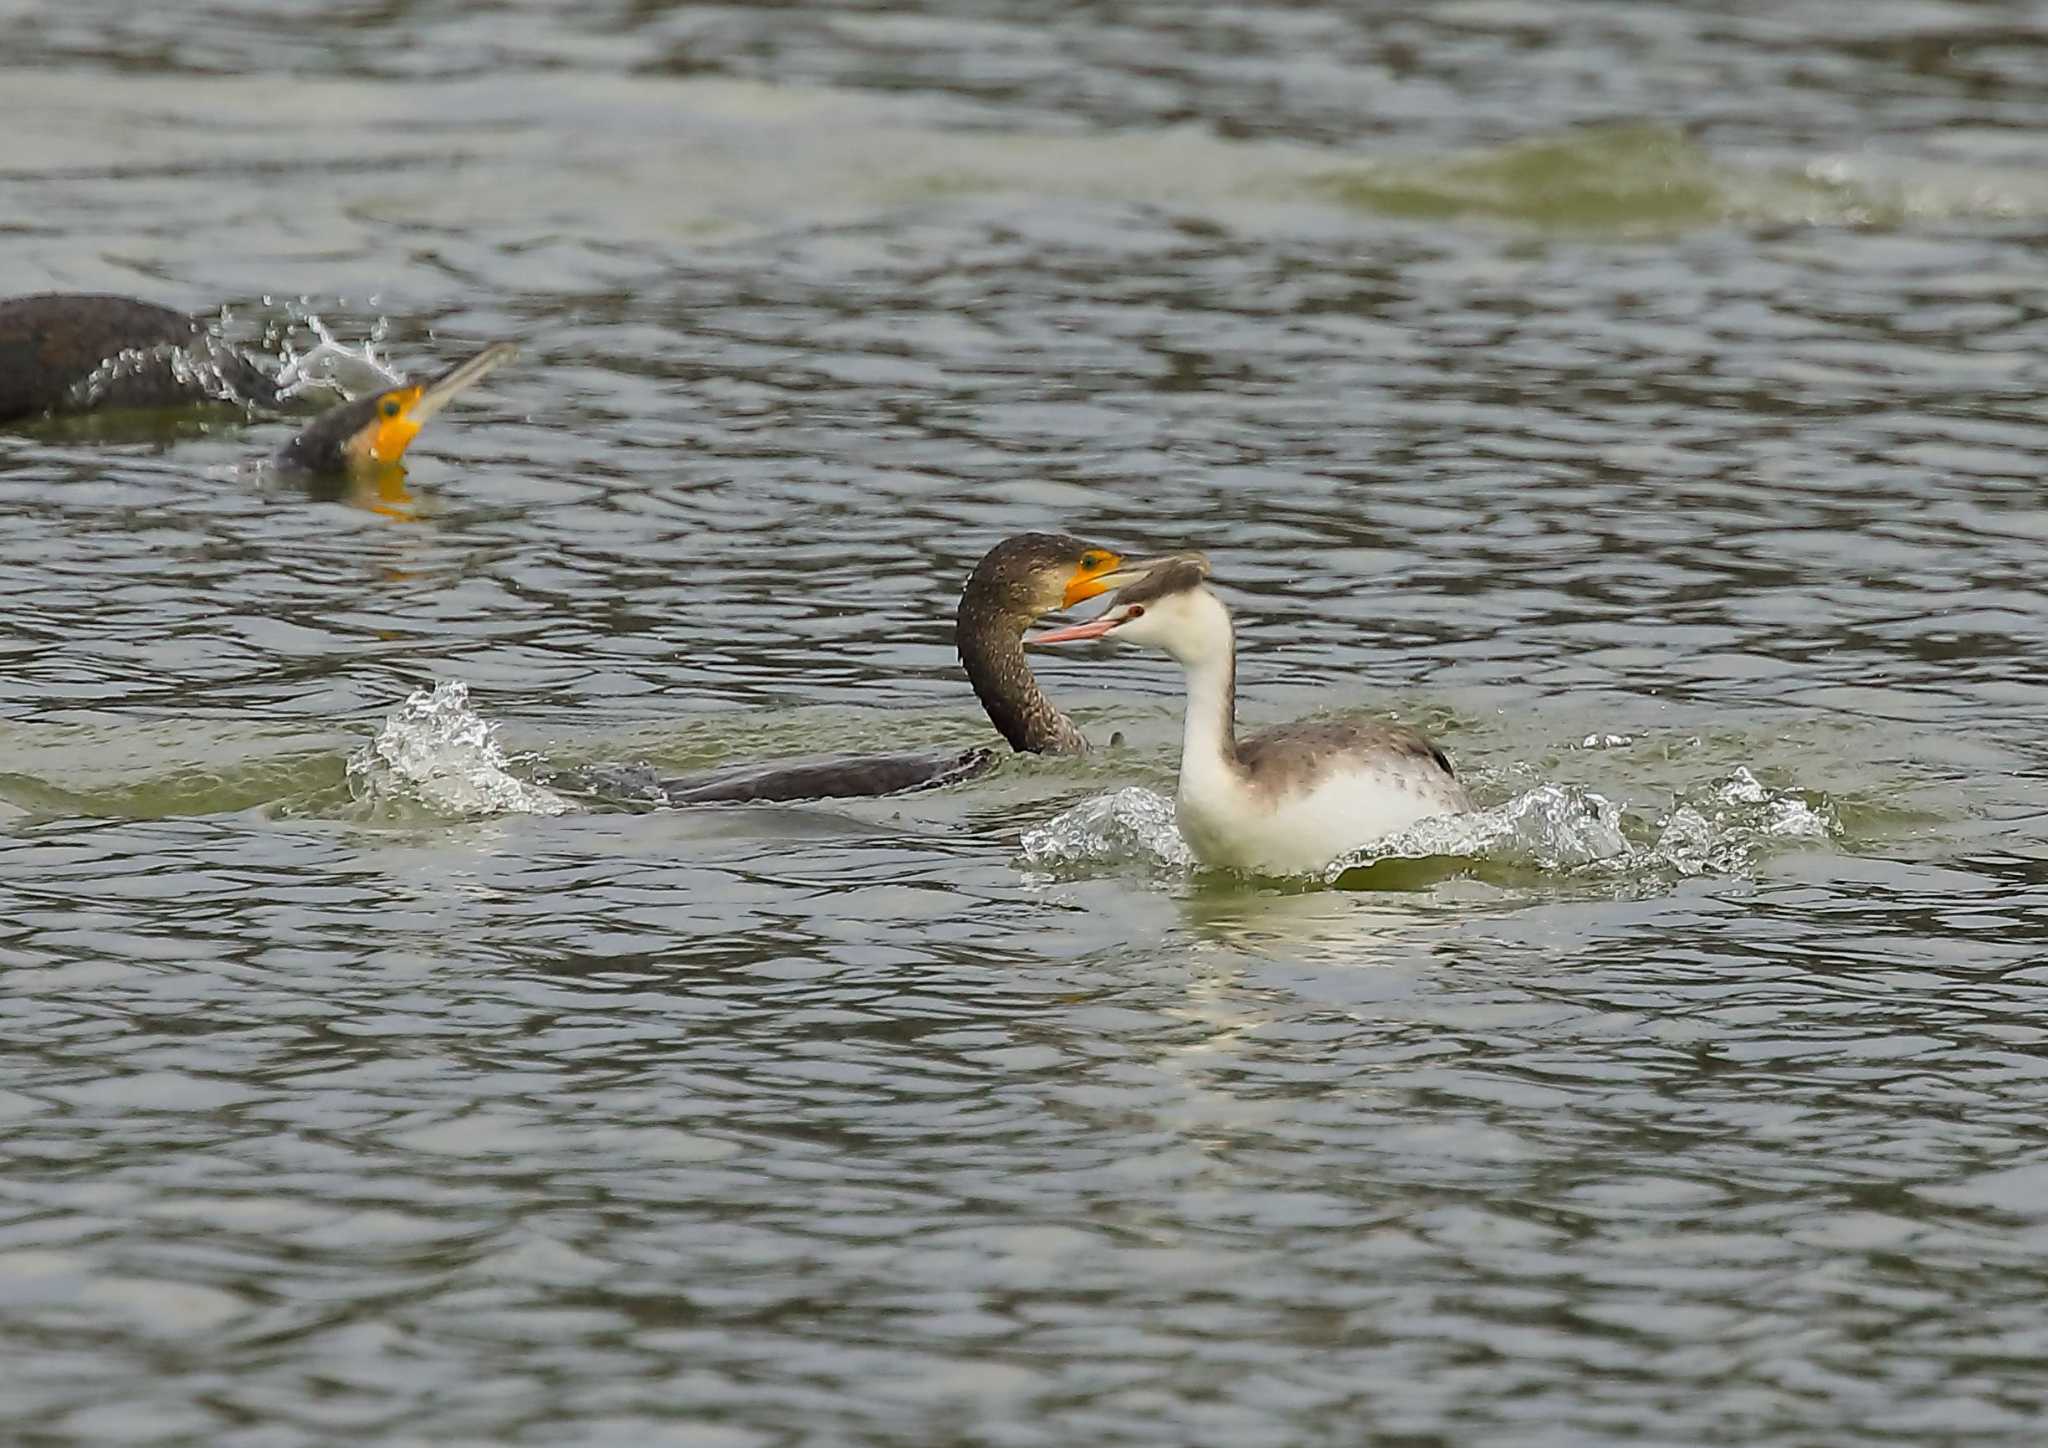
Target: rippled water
x,y
1646,400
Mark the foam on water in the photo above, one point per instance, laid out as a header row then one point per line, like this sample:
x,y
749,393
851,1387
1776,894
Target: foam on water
x,y
1720,829
435,750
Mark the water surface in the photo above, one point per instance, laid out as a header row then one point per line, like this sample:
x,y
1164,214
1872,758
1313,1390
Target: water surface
x,y
1646,400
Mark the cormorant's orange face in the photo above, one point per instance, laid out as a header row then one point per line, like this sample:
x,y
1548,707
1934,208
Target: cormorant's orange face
x,y
373,431
1093,574
390,430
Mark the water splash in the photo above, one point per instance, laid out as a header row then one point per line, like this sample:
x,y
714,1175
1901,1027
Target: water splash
x,y
1553,826
1131,826
213,365
351,371
437,751
166,373
1722,828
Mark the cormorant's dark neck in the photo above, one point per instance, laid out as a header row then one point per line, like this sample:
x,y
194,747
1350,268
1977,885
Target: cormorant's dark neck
x,y
991,645
322,445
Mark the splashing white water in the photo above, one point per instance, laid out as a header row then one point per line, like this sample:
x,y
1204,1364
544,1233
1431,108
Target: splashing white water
x,y
1605,741
1132,825
1553,826
1721,829
349,370
437,751
204,367
1718,830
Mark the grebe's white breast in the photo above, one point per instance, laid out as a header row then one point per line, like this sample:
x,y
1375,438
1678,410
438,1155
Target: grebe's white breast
x,y
1299,796
1286,801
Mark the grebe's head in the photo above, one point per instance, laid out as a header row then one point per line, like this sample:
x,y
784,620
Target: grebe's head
x,y
1170,608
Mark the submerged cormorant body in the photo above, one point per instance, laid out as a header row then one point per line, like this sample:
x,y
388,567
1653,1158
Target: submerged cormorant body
x,y
74,352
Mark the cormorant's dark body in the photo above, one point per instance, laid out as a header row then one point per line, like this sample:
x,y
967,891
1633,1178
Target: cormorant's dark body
x,y
853,776
55,351
1020,579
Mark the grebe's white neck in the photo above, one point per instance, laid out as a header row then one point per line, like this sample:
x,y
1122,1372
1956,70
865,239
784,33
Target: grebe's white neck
x,y
1194,627
1210,733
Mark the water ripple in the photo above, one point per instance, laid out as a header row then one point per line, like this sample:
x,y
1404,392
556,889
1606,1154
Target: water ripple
x,y
1681,474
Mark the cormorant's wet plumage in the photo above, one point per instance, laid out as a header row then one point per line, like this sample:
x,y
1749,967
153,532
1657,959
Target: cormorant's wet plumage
x,y
321,446
853,776
77,352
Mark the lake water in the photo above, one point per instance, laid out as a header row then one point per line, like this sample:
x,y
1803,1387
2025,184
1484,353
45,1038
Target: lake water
x,y
1647,400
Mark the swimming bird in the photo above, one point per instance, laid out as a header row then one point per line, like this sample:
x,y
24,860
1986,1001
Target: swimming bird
x,y
368,436
1016,582
1287,800
66,352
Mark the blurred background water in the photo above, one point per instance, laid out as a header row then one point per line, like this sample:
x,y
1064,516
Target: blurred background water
x,y
1648,400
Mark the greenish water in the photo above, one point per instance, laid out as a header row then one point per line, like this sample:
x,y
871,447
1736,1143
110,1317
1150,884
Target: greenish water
x,y
1645,400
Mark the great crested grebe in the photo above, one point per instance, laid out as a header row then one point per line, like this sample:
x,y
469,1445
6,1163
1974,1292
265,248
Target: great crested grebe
x,y
1287,800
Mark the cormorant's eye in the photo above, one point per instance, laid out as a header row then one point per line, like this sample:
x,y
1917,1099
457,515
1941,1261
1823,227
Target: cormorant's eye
x,y
390,407
1090,562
